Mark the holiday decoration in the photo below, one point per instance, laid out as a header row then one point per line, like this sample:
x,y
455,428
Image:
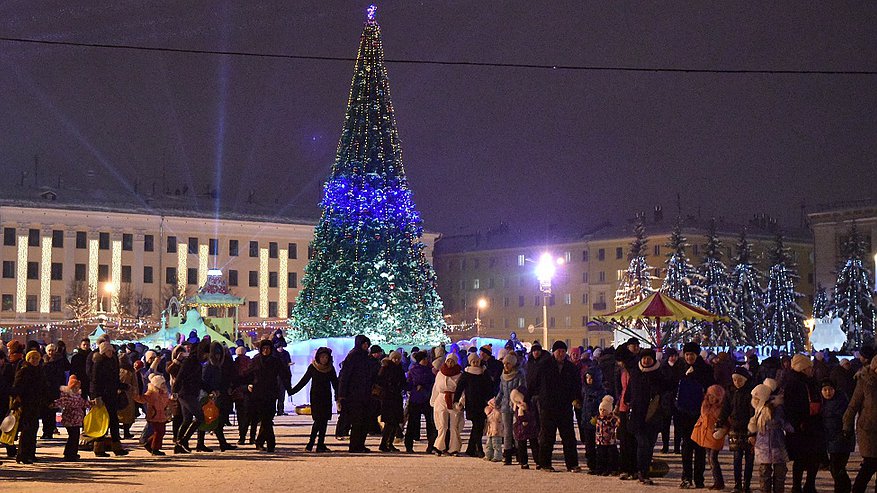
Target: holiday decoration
x,y
718,296
369,273
853,298
785,319
747,295
636,282
682,281
821,304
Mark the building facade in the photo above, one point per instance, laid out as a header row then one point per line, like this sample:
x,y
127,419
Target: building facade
x,y
471,268
831,226
133,262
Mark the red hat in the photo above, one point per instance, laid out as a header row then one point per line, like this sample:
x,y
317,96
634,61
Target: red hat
x,y
73,382
138,365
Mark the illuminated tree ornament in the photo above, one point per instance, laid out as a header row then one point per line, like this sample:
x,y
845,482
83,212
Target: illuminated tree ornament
x,y
785,319
748,297
853,301
372,10
718,295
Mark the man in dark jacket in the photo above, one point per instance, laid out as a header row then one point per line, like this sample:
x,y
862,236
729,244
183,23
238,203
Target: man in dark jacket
x,y
736,412
672,369
267,371
55,368
491,366
105,386
557,385
805,442
420,382
187,385
692,387
647,385
355,382
283,355
78,363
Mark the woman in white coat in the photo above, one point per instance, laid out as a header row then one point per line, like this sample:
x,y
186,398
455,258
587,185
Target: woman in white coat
x,y
448,416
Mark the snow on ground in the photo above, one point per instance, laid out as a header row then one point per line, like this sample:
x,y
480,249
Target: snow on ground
x,y
293,469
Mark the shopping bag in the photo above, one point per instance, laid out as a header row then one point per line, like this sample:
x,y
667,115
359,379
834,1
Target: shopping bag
x,y
211,414
9,427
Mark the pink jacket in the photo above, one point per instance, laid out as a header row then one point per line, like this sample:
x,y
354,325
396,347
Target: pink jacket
x,y
156,402
494,422
73,406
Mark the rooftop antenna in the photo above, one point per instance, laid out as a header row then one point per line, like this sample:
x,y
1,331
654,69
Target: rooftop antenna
x,y
36,170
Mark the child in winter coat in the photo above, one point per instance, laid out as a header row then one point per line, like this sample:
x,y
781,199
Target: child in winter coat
x,y
840,445
156,399
526,427
767,434
606,425
592,395
706,433
735,418
493,452
73,412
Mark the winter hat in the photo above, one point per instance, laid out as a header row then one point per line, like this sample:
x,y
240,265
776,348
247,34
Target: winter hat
x,y
240,351
867,352
597,353
826,382
558,345
375,349
359,340
691,347
440,351
632,340
138,365
502,353
575,352
771,384
761,392
73,382
671,352
517,399
801,362
649,352
510,359
156,380
845,363
473,359
265,343
419,356
395,357
14,347
106,349
452,357
486,349
606,404
743,372
33,357
536,346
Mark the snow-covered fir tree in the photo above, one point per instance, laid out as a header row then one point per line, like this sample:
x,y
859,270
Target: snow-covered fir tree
x,y
785,319
821,304
718,296
636,283
682,280
747,295
853,298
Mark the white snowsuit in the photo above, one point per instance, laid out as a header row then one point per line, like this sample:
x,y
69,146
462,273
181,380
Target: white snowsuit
x,y
443,413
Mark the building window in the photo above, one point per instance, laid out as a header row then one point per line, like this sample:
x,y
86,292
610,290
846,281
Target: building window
x,y
103,241
551,322
505,323
192,275
171,244
491,263
253,308
520,301
476,283
79,272
462,265
147,274
289,307
33,270
490,283
521,322
57,271
505,302
126,273
293,279
33,237
476,263
57,238
272,279
657,250
311,252
619,253
9,237
537,300
8,302
584,278
462,285
232,248
213,246
551,300
148,243
254,249
254,279
232,278
170,275
8,269
521,260
601,276
584,298
292,251
567,321
272,309
54,304
601,254
567,299
81,239
103,272
272,249
31,303
567,257
127,242
193,246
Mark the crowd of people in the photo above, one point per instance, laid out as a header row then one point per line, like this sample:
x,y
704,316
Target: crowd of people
x,y
803,412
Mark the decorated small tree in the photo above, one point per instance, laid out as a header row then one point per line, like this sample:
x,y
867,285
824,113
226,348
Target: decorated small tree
x,y
636,282
853,293
369,272
718,295
747,295
785,319
821,303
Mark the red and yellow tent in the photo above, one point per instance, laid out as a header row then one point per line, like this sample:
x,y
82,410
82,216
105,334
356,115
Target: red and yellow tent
x,y
661,307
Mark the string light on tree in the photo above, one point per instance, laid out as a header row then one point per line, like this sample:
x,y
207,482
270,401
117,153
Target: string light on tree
x,y
785,319
853,298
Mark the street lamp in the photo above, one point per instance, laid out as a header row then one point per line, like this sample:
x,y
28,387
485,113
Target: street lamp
x,y
109,290
481,305
545,270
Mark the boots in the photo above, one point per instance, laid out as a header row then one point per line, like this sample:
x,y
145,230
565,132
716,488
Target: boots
x,y
185,435
201,447
507,457
223,443
100,448
117,448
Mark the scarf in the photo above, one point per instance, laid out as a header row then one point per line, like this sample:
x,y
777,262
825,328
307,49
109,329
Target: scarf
x,y
647,369
451,371
322,368
474,370
509,376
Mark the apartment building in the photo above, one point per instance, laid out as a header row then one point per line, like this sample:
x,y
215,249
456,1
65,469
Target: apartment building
x,y
831,224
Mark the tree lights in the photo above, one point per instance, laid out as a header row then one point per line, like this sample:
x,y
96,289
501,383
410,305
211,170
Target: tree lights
x,y
853,301
785,319
747,295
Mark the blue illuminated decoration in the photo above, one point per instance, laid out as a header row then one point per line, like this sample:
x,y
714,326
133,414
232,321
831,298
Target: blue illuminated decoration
x,y
372,10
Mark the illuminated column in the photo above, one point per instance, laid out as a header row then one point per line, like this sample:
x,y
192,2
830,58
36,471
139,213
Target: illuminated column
x,y
182,273
92,269
116,274
282,280
203,257
263,283
45,272
21,276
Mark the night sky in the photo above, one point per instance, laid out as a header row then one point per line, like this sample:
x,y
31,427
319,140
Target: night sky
x,y
480,145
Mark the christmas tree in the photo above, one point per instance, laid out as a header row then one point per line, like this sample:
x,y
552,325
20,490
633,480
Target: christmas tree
x,y
718,296
748,297
853,299
785,319
682,281
636,282
368,273
821,305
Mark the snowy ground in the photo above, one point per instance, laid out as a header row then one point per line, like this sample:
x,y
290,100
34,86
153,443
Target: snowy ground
x,y
291,468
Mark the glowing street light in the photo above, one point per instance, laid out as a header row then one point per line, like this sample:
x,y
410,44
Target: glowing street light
x,y
109,290
481,305
545,270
